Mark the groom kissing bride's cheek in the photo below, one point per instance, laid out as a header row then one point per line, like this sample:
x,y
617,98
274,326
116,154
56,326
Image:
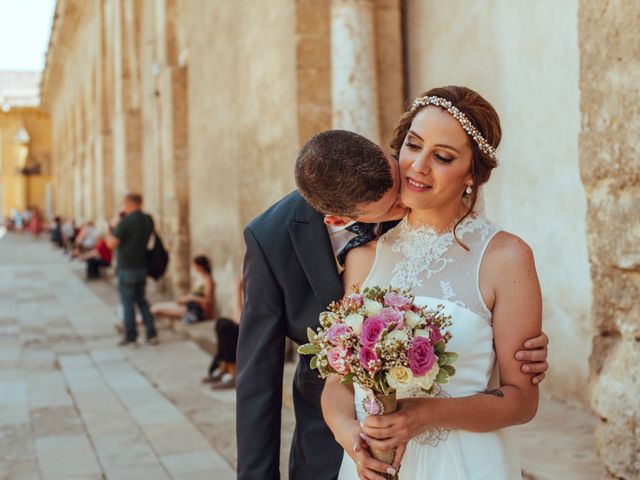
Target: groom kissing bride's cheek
x,y
363,219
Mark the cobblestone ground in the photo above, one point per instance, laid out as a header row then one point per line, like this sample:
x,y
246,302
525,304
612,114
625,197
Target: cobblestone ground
x,y
73,405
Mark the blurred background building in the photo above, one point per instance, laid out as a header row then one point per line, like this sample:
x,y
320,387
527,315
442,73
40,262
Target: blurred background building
x,y
25,145
202,105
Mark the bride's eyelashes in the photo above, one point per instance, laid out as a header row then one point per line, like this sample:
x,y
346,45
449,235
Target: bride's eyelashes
x,y
442,159
438,157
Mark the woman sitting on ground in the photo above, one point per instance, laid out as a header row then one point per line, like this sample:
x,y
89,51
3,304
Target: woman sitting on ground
x,y
199,303
97,258
85,240
222,370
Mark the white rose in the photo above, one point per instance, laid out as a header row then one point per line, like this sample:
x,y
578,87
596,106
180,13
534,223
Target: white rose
x,y
426,380
421,333
355,322
371,307
399,335
400,378
412,319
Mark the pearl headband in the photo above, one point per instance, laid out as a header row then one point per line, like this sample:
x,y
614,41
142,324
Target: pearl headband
x,y
466,124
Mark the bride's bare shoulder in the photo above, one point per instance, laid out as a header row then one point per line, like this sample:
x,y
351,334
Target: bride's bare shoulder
x,y
358,264
508,253
508,264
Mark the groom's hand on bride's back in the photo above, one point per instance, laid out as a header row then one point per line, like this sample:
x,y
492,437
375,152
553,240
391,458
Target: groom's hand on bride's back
x,y
534,357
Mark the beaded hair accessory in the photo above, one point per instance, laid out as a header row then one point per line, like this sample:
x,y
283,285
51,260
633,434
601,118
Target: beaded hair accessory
x,y
473,132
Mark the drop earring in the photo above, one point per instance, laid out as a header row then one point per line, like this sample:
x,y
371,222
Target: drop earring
x,y
468,190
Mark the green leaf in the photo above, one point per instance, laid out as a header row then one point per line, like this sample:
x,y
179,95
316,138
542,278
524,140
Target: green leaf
x,y
442,377
451,371
439,347
348,378
314,362
311,335
308,349
451,357
442,359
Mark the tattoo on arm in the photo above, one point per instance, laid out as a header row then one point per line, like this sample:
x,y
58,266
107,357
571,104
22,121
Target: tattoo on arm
x,y
497,392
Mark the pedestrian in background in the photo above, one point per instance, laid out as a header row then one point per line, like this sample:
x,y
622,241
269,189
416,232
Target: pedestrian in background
x,y
130,235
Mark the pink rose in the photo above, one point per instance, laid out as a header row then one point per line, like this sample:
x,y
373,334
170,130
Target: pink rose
x,y
336,357
357,299
396,300
372,330
337,332
369,360
435,336
391,316
421,356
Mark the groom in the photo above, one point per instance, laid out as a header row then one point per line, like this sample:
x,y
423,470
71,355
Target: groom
x,y
291,273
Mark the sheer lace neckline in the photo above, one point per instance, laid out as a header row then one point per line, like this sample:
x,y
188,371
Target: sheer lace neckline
x,y
423,251
425,229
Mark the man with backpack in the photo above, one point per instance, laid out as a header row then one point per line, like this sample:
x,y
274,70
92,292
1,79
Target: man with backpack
x,y
131,235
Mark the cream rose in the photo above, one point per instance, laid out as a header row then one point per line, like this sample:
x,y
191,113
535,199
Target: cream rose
x,y
372,307
399,335
400,378
412,319
421,333
355,322
426,380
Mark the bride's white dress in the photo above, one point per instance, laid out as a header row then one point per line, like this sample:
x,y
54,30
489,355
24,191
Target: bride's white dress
x,y
440,272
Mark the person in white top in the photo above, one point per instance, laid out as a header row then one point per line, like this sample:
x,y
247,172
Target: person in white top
x,y
486,278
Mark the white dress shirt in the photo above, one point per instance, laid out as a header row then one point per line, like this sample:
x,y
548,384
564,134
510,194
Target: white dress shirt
x,y
340,236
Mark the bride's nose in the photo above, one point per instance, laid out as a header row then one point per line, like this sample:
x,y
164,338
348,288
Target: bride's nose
x,y
421,164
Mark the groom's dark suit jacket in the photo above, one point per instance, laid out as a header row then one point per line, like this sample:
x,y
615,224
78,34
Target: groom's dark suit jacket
x,y
290,276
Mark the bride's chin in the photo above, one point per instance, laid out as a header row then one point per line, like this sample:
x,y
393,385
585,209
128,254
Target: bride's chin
x,y
413,203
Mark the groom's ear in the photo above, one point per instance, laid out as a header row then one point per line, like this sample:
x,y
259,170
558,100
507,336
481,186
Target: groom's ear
x,y
336,221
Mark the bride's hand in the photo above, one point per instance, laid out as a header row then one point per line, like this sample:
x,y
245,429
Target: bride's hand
x,y
386,432
368,468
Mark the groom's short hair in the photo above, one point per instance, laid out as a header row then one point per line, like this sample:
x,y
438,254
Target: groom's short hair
x,y
336,170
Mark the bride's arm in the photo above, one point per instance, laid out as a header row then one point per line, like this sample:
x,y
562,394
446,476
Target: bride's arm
x,y
509,270
339,412
337,398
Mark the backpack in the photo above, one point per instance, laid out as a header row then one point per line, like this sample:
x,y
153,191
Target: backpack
x,y
157,257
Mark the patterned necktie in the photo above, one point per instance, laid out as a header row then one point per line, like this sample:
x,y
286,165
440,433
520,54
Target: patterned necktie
x,y
365,232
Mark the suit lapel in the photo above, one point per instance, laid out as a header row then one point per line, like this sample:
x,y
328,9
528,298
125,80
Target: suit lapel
x,y
312,245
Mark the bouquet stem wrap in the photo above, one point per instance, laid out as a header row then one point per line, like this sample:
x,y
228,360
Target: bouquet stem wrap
x,y
390,403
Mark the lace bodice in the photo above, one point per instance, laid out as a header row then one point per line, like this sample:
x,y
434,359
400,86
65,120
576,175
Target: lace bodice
x,y
439,271
433,264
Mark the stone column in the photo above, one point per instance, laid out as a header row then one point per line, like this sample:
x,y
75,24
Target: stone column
x,y
104,102
610,169
127,120
354,85
169,106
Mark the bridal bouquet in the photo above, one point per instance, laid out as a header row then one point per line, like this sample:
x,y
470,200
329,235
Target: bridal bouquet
x,y
381,340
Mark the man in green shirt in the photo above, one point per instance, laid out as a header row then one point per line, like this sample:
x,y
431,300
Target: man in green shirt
x,y
131,235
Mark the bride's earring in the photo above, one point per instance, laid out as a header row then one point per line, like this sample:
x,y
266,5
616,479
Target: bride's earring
x,y
468,190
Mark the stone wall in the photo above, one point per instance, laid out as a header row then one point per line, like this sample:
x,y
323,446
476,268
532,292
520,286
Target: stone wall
x,y
524,60
119,115
610,167
242,120
201,105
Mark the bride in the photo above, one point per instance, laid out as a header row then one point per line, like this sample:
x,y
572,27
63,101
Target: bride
x,y
449,254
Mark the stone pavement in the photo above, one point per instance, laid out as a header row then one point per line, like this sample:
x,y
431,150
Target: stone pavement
x,y
75,406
